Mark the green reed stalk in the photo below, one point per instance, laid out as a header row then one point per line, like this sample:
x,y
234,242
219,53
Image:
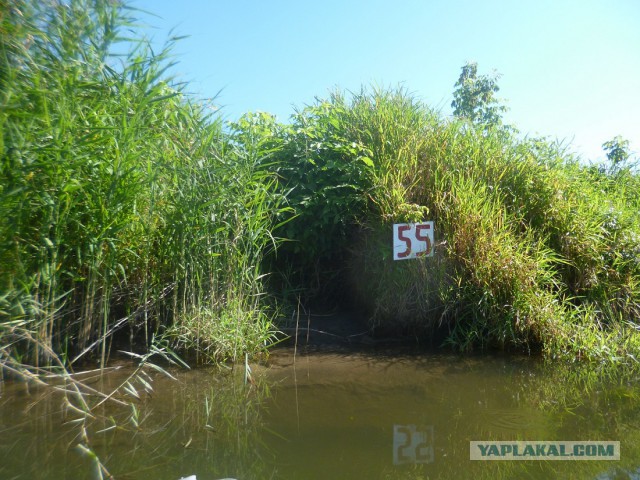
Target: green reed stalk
x,y
124,204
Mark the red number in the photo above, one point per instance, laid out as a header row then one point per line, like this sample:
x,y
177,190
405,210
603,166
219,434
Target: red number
x,y
424,238
406,240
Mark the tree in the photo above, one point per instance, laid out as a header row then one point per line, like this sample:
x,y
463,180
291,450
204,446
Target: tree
x,y
474,97
618,153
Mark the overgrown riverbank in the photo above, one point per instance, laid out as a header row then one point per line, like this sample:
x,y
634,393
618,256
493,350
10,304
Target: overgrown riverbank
x,y
125,209
534,249
128,211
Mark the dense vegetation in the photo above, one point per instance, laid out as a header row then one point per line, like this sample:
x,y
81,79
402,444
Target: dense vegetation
x,y
123,205
125,208
535,249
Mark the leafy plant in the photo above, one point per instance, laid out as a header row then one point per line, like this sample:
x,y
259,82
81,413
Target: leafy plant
x,y
529,241
474,97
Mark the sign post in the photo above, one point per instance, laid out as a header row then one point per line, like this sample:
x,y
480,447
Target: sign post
x,y
412,240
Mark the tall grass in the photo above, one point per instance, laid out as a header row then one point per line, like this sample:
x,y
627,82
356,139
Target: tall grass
x,y
125,207
535,249
123,203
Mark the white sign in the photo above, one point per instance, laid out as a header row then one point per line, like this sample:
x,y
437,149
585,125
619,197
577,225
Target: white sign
x,y
412,445
412,240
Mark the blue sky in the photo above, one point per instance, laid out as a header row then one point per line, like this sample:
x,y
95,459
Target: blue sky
x,y
570,69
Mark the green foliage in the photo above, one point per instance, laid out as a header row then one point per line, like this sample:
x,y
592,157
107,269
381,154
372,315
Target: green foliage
x,y
338,169
618,153
530,243
122,202
474,97
326,176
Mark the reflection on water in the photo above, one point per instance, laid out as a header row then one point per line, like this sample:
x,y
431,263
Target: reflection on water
x,y
412,444
332,415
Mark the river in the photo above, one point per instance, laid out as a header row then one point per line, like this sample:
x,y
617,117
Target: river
x,y
327,413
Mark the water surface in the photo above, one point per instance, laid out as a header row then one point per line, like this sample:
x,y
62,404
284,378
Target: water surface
x,y
328,415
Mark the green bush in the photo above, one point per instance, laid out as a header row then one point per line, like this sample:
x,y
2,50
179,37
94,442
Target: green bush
x,y
530,242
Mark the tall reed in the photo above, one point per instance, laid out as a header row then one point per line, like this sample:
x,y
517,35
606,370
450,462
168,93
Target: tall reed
x,y
123,203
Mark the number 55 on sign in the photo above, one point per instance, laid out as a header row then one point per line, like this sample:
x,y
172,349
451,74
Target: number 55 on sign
x,y
412,240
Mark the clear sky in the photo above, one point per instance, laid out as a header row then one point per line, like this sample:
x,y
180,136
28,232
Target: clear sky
x,y
570,69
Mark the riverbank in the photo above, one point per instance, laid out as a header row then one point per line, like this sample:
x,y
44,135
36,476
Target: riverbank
x,y
533,249
132,217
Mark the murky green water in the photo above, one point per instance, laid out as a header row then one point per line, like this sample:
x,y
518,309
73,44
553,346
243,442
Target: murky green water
x,y
329,415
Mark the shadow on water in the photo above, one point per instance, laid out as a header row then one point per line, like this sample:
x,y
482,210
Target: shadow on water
x,y
328,413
